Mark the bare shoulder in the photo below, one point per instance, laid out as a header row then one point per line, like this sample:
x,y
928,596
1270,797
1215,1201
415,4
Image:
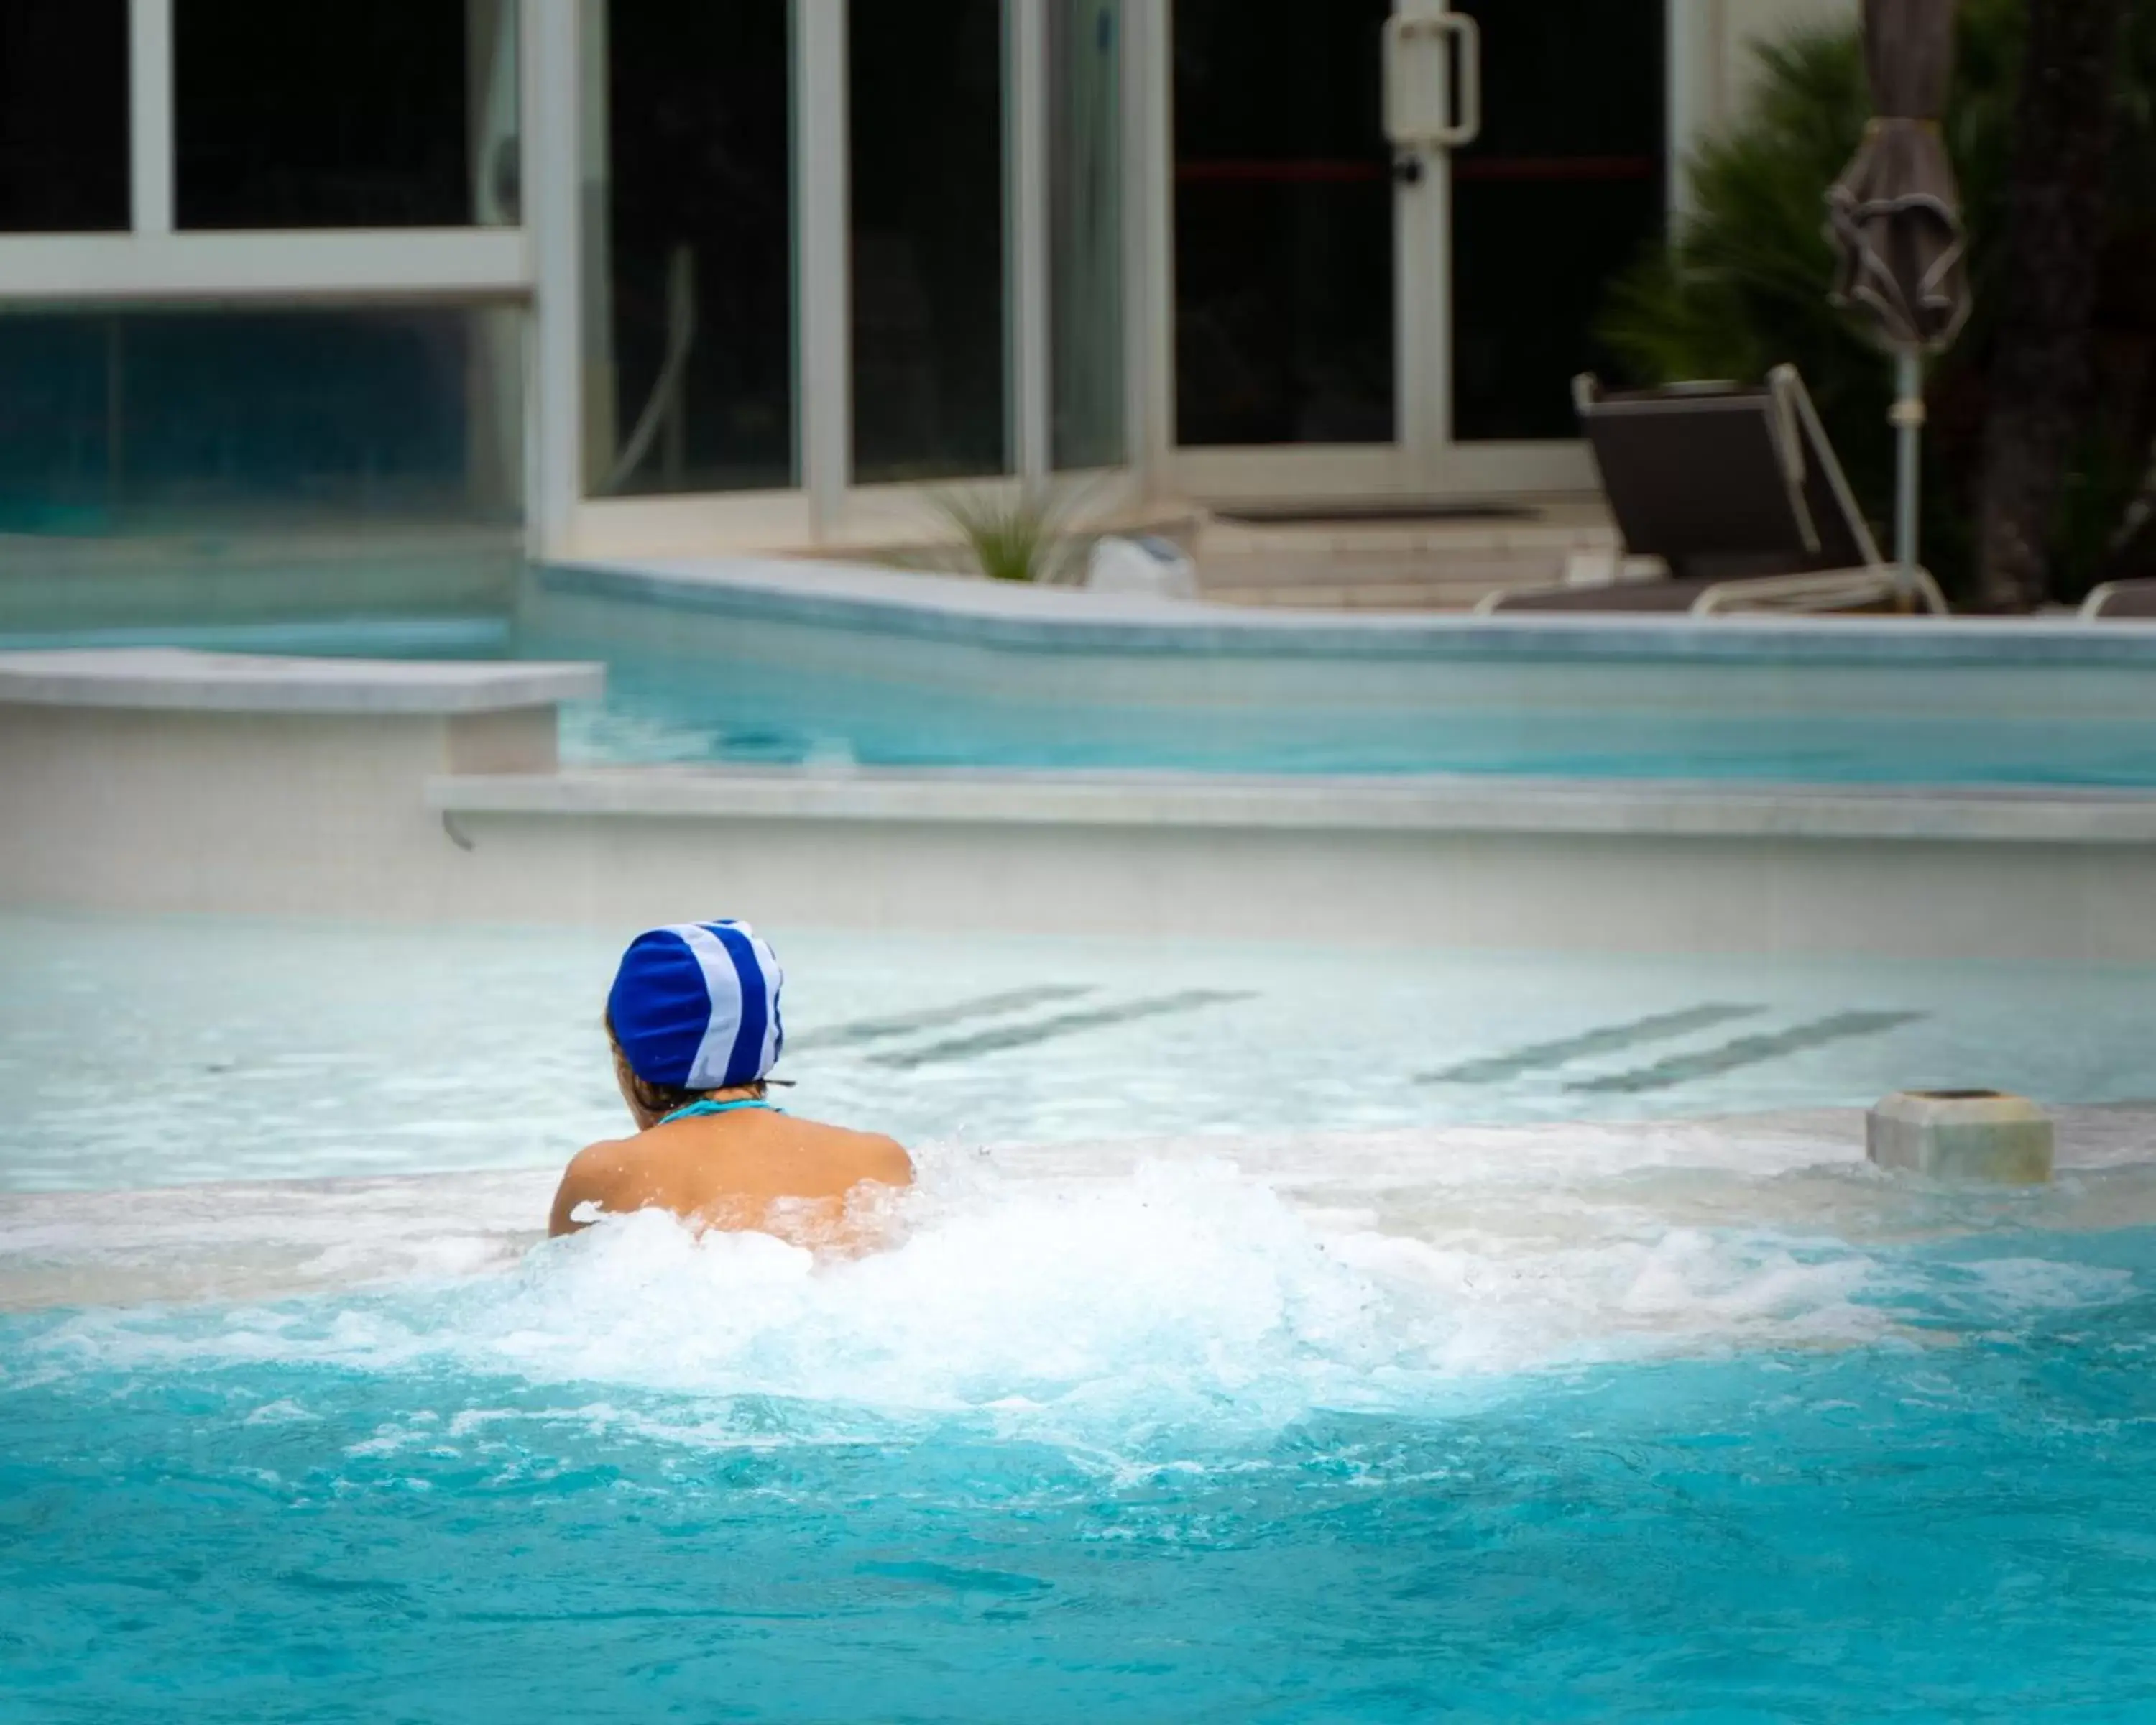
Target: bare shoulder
x,y
886,1159
877,1157
594,1173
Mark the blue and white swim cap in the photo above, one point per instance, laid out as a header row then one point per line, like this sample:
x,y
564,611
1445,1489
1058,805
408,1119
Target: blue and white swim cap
x,y
696,1006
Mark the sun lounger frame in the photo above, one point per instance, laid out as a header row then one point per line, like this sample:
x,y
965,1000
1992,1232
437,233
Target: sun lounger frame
x,y
2102,603
1800,442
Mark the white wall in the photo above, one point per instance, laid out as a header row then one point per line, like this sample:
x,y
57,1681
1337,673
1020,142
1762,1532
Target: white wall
x,y
1713,59
312,814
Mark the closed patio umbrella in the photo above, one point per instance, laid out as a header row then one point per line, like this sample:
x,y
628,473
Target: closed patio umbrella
x,y
1895,215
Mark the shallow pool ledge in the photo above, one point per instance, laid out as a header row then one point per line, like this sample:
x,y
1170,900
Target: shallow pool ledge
x,y
160,778
1346,804
1461,862
157,780
182,679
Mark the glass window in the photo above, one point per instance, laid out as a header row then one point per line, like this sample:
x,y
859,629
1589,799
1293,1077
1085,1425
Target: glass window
x,y
63,116
344,113
926,225
693,389
1086,233
1284,294
147,421
1564,188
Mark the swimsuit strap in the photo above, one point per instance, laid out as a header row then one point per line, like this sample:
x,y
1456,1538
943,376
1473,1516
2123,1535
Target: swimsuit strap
x,y
708,1107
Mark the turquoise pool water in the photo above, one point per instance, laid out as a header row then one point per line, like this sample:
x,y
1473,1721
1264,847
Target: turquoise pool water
x,y
773,713
743,675
1297,1353
767,697
752,664
279,1049
1270,1500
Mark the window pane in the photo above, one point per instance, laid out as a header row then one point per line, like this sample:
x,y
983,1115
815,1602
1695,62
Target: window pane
x,y
344,113
1085,232
1284,297
928,237
1563,189
696,392
63,116
144,421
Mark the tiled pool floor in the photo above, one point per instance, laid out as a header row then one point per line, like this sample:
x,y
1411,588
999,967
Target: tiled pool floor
x,y
145,1052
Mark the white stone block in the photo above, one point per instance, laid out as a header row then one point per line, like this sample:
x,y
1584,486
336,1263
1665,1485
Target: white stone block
x,y
1148,565
1961,1135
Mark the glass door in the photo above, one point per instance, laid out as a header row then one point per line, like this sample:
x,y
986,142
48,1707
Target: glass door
x,y
1393,223
1287,249
1561,186
927,241
835,260
688,286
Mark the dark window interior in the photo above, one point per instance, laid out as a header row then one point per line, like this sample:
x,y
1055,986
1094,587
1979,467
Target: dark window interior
x,y
1564,188
325,114
927,238
145,421
63,116
700,228
1283,223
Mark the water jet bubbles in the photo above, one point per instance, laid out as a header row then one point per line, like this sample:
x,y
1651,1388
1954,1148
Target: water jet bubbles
x,y
1168,1306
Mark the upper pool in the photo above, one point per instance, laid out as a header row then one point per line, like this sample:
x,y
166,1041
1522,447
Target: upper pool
x,y
739,662
777,663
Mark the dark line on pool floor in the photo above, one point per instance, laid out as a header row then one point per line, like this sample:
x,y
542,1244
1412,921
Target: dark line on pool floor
x,y
1024,1035
1749,1051
934,1018
1608,1039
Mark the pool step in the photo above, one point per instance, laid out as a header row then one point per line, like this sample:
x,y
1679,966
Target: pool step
x,y
1747,1051
1609,1040
1008,1036
1445,563
1677,1069
937,1017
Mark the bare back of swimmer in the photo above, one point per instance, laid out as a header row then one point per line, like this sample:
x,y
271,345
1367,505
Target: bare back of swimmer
x,y
694,1019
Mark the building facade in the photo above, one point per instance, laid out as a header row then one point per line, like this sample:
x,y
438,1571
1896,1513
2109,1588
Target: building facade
x,y
665,276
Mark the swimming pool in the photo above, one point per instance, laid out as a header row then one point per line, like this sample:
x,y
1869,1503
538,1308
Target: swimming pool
x,y
793,664
1678,1433
772,710
1257,1344
1782,1537
287,1048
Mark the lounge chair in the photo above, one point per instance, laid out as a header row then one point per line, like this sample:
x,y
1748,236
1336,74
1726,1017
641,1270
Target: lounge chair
x,y
1737,490
2120,601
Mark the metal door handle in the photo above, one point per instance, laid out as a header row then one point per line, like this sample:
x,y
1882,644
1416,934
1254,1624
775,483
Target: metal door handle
x,y
1427,106
1467,95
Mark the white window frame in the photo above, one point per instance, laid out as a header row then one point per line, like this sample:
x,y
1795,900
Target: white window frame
x,y
826,507
540,262
151,263
341,265
1424,460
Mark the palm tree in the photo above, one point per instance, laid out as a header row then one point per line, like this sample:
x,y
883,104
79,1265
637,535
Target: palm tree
x,y
2054,229
1743,286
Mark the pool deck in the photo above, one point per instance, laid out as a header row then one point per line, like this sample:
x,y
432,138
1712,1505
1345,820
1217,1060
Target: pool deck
x,y
1019,618
163,780
180,679
1406,803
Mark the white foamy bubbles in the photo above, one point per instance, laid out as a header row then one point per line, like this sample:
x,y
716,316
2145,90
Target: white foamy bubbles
x,y
1088,1303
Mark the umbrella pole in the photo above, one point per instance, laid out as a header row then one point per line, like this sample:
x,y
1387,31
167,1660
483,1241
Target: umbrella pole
x,y
1908,416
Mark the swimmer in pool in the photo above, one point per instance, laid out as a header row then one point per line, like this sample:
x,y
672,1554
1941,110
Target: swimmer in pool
x,y
694,1019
